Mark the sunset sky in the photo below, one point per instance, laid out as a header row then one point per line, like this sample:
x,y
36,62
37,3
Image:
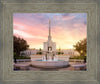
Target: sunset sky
x,y
66,28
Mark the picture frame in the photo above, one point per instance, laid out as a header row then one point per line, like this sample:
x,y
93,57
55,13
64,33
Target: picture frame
x,y
91,7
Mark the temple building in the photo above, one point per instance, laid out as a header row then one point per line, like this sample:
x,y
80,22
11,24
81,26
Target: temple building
x,y
49,45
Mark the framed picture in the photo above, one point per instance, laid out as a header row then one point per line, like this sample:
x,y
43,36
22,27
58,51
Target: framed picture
x,y
34,48
50,42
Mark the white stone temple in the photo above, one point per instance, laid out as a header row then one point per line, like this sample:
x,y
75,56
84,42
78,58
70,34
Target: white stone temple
x,y
49,45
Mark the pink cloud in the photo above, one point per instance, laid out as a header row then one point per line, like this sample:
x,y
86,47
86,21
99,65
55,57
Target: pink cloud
x,y
64,34
36,30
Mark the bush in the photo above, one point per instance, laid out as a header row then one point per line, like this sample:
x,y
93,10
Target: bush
x,y
79,57
22,57
23,54
39,53
60,53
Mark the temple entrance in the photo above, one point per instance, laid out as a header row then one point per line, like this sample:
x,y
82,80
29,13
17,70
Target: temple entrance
x,y
49,48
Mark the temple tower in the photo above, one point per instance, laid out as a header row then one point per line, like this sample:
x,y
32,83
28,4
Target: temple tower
x,y
49,45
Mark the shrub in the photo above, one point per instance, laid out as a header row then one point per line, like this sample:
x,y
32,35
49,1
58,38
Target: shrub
x,y
22,57
78,57
60,53
39,53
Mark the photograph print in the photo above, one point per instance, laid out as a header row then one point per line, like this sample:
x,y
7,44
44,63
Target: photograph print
x,y
49,41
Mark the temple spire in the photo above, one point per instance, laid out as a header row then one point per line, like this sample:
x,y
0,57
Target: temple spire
x,y
49,28
49,37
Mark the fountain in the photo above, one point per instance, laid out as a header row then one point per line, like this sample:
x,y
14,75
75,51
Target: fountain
x,y
49,60
50,56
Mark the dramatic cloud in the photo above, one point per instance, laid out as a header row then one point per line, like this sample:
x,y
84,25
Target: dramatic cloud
x,y
66,28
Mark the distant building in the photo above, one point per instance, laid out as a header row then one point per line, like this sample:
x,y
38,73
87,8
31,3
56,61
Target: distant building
x,y
67,52
70,52
29,52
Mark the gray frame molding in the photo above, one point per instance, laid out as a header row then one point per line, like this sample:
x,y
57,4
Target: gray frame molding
x,y
91,7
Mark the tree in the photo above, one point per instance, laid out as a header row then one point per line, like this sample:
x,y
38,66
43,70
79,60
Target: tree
x,y
40,51
60,52
81,47
19,45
